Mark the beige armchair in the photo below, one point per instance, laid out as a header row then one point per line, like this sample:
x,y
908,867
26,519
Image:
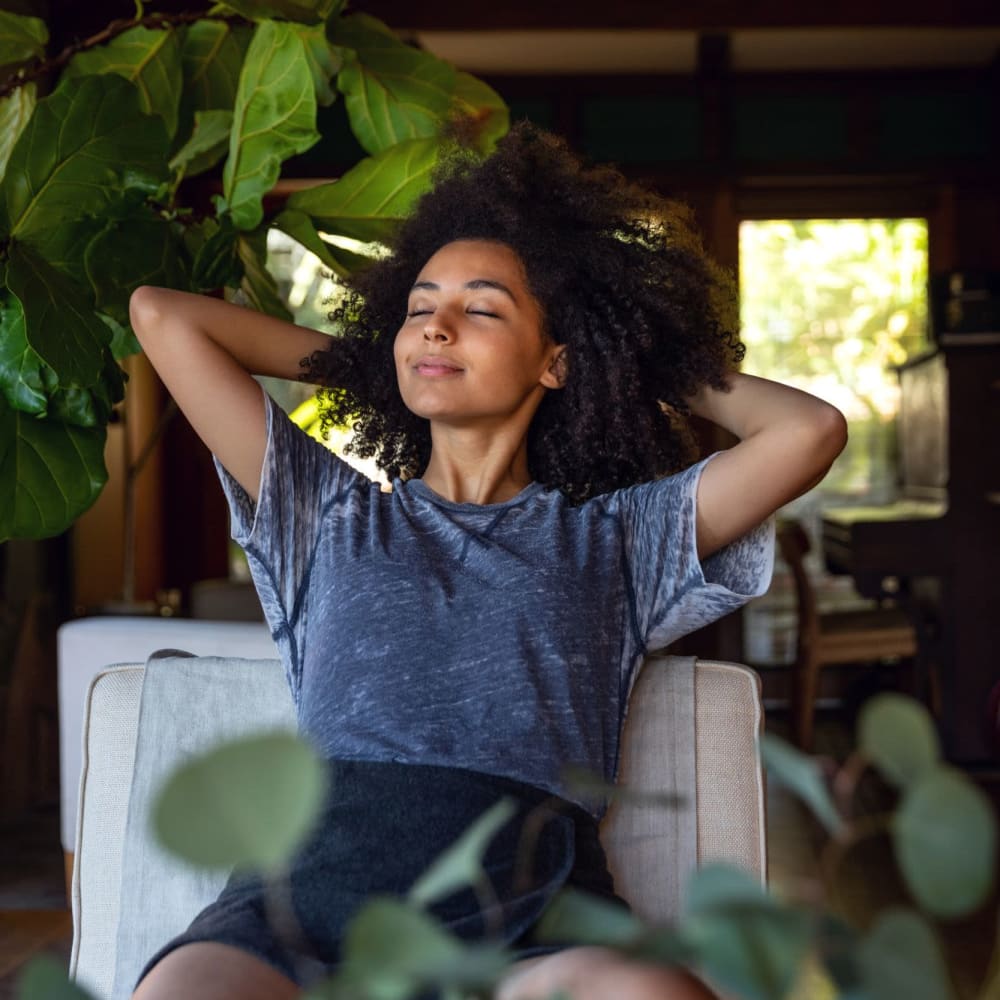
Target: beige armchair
x,y
692,731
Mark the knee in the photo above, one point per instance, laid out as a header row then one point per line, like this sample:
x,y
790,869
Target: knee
x,y
600,974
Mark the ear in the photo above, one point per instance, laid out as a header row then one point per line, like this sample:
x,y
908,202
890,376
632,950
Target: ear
x,y
554,377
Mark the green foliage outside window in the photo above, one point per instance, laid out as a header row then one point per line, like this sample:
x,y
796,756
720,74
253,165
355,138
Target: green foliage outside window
x,y
830,305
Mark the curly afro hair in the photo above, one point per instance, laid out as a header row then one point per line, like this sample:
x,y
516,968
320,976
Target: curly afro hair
x,y
622,280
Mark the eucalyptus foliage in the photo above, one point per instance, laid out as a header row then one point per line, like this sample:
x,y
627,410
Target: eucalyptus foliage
x,y
251,803
94,156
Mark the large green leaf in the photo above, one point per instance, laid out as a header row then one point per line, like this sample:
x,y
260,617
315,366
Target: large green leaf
x,y
148,58
212,54
897,734
274,118
375,195
392,91
324,60
299,226
483,107
249,804
901,957
21,38
211,245
83,145
209,142
50,473
258,284
59,345
305,11
945,836
15,111
142,249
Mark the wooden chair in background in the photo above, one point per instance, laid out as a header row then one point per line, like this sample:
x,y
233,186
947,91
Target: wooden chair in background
x,y
869,635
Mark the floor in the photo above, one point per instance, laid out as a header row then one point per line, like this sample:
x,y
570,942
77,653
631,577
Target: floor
x,y
34,918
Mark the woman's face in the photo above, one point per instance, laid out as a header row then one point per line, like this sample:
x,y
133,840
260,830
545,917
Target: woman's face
x,y
472,348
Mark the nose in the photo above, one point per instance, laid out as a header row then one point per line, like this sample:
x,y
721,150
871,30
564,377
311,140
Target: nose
x,y
436,331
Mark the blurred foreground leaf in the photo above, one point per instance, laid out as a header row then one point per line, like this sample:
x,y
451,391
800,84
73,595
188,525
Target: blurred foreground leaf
x,y
901,959
45,978
898,736
945,838
801,774
397,951
248,804
743,940
461,864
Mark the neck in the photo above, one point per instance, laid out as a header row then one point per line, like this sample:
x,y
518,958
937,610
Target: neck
x,y
474,467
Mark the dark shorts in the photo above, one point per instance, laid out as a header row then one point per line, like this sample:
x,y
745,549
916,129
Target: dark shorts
x,y
382,826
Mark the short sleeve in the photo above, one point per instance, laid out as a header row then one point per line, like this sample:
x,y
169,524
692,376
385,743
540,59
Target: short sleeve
x,y
674,592
300,480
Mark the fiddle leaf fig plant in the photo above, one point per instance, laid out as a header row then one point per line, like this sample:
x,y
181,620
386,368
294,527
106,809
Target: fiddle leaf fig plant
x,y
98,148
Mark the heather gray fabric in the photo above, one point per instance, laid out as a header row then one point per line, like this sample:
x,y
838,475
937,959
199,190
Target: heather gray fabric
x,y
503,638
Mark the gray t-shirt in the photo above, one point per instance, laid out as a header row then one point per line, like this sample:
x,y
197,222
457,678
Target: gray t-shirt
x,y
503,638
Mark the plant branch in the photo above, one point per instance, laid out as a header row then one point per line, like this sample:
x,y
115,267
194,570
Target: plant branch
x,y
41,67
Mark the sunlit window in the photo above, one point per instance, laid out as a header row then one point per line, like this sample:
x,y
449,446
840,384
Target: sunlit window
x,y
830,306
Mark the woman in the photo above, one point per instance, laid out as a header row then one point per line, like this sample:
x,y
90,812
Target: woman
x,y
520,365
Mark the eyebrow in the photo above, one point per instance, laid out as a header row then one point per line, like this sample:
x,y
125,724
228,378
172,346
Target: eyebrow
x,y
475,284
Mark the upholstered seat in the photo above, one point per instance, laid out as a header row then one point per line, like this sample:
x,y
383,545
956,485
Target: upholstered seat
x,y
691,731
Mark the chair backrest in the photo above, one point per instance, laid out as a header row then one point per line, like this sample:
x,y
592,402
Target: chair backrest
x,y
793,544
724,721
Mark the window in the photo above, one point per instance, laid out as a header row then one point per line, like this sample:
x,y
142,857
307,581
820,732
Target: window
x,y
829,306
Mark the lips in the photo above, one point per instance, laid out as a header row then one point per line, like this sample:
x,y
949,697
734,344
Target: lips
x,y
435,366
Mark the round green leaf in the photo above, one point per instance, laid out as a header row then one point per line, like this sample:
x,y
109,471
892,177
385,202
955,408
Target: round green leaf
x,y
945,839
801,774
897,734
274,118
247,804
901,957
585,919
148,58
375,195
44,978
394,949
50,473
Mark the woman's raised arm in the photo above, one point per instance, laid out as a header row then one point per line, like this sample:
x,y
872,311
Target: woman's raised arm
x,y
206,350
788,441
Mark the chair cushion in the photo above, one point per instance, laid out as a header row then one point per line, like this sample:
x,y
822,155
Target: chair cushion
x,y
188,705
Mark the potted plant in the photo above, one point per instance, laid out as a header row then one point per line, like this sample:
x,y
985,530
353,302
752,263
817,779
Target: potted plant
x,y
98,147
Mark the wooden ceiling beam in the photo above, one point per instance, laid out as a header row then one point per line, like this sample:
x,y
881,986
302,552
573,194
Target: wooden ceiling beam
x,y
710,15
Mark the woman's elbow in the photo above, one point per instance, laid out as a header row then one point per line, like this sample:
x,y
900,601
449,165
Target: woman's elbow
x,y
145,309
828,434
